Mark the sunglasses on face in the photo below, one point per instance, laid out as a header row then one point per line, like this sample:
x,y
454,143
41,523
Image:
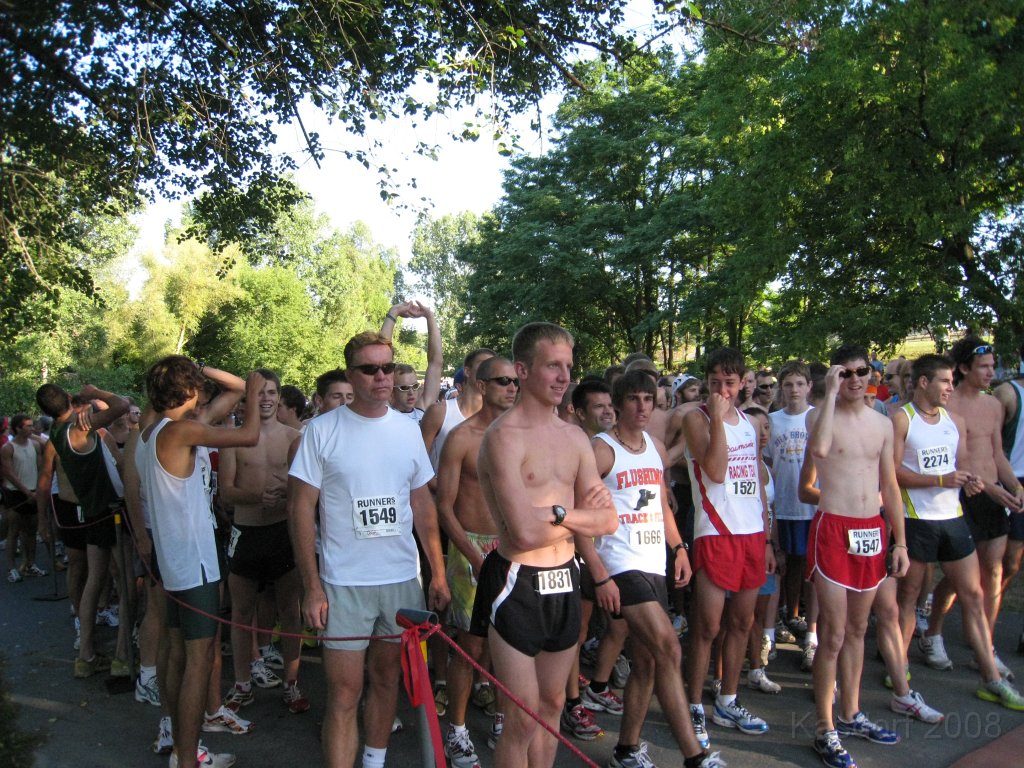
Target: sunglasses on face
x,y
862,371
407,387
368,369
504,381
765,387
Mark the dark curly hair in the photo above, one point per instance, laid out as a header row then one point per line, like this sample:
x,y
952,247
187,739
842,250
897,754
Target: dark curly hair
x,y
171,381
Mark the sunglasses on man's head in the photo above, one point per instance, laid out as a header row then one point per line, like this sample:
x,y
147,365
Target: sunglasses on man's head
x,y
984,349
369,369
503,381
862,371
407,387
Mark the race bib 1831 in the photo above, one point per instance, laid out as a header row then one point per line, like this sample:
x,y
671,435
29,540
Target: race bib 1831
x,y
374,517
865,542
554,582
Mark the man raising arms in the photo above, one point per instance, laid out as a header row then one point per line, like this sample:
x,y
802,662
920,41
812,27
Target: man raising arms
x,y
409,396
534,470
365,470
472,534
852,447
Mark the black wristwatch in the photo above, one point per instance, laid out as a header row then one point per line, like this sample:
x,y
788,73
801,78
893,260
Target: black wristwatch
x,y
677,547
559,514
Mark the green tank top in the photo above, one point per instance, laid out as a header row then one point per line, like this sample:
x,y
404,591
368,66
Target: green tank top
x,y
87,473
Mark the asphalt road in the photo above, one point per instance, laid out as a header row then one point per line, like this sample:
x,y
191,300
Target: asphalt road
x,y
87,726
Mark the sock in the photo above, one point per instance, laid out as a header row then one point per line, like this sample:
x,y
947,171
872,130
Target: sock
x,y
458,728
374,758
726,699
909,698
695,760
770,634
811,638
697,708
573,703
478,686
146,674
438,684
598,687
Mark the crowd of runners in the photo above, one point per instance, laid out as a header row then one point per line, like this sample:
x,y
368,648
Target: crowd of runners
x,y
666,531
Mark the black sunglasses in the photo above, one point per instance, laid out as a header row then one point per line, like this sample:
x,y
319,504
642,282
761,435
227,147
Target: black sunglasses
x,y
503,380
371,370
765,387
862,371
407,387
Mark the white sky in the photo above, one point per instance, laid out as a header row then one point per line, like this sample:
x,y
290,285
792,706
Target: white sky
x,y
466,175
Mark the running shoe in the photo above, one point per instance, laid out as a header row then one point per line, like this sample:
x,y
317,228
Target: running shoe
x,y
797,625
295,701
579,722
1001,692
768,652
588,652
239,697
147,693
262,676
14,576
887,680
497,726
458,747
483,696
700,727
735,715
637,758
758,681
226,721
807,657
98,663
397,726
107,616
1004,671
272,657
934,650
441,699
35,570
914,706
119,668
606,701
78,634
783,634
831,751
207,759
863,728
165,739
716,687
713,760
680,624
620,672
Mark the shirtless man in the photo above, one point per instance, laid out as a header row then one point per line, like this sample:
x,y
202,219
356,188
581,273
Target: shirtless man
x,y
629,566
852,448
471,530
592,406
534,469
928,451
409,396
986,513
443,416
293,404
254,480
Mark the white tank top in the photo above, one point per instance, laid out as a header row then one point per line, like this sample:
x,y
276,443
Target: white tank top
x,y
635,482
733,507
452,418
930,450
180,517
1015,446
26,465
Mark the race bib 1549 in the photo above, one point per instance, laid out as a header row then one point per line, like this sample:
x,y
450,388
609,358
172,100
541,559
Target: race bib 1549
x,y
374,517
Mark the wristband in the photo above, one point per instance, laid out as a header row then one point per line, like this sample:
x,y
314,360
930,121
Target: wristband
x,y
940,481
201,365
391,317
899,546
602,583
677,547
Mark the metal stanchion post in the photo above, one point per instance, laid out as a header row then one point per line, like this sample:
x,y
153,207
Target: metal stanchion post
x,y
411,617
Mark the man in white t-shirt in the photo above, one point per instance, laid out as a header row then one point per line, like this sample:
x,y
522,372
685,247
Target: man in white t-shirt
x,y
364,469
786,449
